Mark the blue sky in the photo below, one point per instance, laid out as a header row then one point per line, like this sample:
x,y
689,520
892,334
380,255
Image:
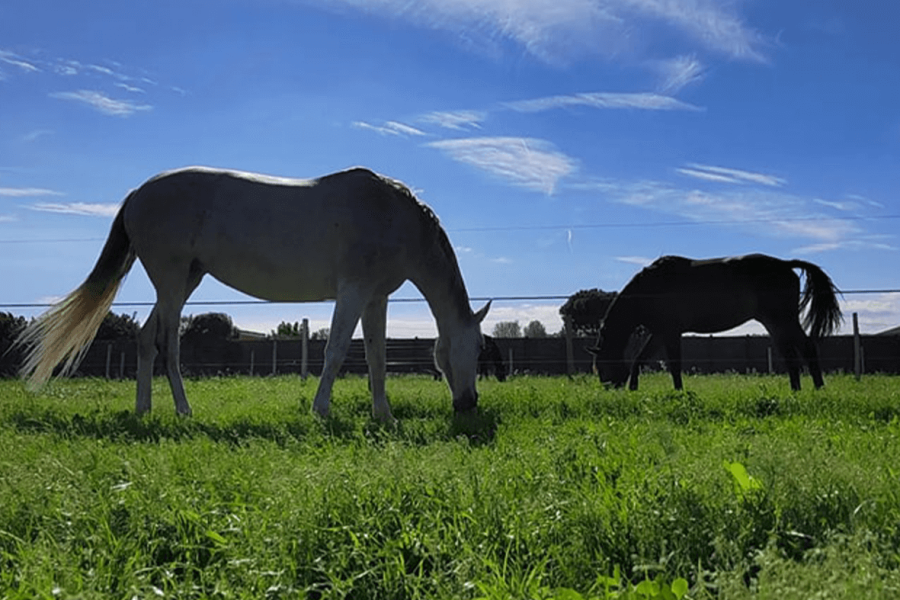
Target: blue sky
x,y
563,143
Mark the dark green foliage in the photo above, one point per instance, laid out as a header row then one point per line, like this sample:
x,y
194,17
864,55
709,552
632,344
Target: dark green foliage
x,y
586,309
118,328
208,328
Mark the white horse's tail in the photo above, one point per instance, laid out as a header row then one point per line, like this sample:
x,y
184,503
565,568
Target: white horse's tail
x,y
64,333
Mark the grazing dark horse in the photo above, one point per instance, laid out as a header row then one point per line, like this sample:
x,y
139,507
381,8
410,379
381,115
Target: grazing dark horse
x,y
675,294
490,360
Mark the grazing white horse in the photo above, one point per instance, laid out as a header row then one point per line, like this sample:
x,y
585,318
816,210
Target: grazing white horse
x,y
353,236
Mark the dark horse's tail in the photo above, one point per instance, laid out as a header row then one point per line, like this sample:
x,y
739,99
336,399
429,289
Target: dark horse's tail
x,y
820,298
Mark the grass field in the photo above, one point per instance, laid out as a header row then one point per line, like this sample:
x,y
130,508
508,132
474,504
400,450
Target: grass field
x,y
557,488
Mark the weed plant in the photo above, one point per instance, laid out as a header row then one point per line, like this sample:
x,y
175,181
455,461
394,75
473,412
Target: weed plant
x,y
556,488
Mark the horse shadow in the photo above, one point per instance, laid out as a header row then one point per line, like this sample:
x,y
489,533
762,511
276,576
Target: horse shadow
x,y
478,428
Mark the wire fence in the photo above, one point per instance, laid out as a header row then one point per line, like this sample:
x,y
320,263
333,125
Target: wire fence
x,y
521,298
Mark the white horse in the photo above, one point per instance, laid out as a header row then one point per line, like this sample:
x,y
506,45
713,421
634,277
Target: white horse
x,y
353,236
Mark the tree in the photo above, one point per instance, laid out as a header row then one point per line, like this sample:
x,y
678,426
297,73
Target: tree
x,y
209,327
321,334
586,309
10,357
535,329
288,330
11,326
507,329
118,327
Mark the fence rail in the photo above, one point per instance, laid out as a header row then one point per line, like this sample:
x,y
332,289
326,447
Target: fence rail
x,y
550,356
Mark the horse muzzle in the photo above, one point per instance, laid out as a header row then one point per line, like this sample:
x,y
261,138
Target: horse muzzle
x,y
466,402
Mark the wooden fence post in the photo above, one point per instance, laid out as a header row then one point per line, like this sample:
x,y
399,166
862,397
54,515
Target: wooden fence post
x,y
304,349
570,353
108,358
274,357
857,349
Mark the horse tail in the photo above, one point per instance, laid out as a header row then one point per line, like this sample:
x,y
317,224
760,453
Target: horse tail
x,y
64,333
819,298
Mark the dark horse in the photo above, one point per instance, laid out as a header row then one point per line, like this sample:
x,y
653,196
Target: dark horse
x,y
676,294
490,360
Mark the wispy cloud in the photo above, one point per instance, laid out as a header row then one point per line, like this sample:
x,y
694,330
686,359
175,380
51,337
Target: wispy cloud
x,y
726,175
32,136
27,192
677,73
131,88
640,261
77,208
103,103
458,120
560,30
603,100
757,210
12,59
390,128
527,162
7,219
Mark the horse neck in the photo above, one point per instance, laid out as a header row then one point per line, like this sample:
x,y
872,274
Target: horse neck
x,y
620,322
438,277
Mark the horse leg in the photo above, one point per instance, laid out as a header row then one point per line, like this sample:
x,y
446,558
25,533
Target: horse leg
x,y
347,311
160,333
788,337
811,354
169,340
637,362
374,319
672,345
147,351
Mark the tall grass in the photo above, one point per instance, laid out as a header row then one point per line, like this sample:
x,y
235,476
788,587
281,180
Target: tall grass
x,y
737,488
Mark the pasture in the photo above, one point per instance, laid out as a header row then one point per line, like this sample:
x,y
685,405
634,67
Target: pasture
x,y
734,488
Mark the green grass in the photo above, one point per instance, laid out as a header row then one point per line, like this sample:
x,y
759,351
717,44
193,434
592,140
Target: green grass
x,y
557,488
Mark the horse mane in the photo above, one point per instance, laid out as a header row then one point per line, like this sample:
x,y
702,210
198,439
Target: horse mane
x,y
435,237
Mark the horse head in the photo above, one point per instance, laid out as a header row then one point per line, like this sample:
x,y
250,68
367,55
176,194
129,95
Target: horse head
x,y
613,370
456,356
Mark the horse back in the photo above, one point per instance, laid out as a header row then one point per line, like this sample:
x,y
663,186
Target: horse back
x,y
277,238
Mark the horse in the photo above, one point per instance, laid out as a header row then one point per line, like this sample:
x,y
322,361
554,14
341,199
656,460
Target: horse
x,y
353,237
491,360
675,295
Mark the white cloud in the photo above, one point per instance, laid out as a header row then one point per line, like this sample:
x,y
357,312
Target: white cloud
x,y
14,60
78,208
640,261
760,211
7,219
131,88
390,128
527,162
560,30
678,73
603,100
726,175
103,103
458,120
27,192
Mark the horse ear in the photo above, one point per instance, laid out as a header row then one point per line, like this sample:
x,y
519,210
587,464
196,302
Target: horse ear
x,y
481,314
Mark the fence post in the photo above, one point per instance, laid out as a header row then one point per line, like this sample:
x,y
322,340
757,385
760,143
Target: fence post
x,y
108,358
274,356
511,366
769,359
857,348
122,365
252,357
304,349
570,353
